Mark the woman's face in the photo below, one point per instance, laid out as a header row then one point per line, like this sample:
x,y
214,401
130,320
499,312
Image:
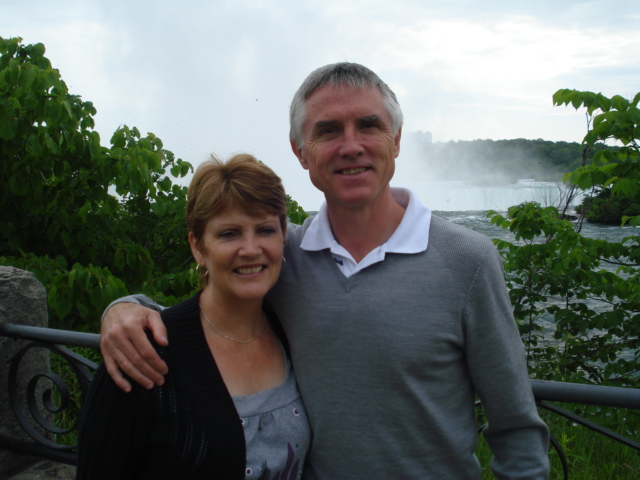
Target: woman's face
x,y
242,253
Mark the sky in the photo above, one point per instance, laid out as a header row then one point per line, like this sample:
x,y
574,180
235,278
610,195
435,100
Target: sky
x,y
217,77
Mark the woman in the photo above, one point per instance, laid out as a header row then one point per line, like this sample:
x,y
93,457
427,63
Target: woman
x,y
229,407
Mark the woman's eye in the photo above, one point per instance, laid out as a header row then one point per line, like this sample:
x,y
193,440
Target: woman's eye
x,y
267,231
227,234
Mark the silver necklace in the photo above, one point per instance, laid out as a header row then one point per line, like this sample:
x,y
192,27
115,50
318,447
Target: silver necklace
x,y
264,329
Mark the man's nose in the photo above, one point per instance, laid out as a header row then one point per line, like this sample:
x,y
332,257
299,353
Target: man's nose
x,y
351,145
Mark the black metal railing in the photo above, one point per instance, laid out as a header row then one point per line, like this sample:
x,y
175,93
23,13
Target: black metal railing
x,y
43,431
46,393
602,396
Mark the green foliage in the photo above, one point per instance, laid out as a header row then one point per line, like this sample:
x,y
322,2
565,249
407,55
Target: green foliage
x,y
590,455
68,418
616,119
605,208
92,222
296,213
579,321
577,299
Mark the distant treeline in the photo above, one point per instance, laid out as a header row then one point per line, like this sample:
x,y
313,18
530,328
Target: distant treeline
x,y
500,161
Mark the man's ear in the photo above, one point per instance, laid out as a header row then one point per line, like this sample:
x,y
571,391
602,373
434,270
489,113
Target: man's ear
x,y
396,143
299,152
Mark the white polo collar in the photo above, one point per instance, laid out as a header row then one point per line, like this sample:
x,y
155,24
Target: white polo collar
x,y
411,236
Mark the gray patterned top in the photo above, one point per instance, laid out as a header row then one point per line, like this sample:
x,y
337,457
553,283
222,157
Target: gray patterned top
x,y
276,430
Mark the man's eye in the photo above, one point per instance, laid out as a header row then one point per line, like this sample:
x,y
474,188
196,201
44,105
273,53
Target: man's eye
x,y
327,129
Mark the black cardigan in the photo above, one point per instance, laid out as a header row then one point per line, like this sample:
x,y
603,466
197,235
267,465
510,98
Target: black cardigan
x,y
188,428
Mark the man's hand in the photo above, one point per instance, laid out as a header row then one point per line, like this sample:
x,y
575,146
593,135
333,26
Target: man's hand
x,y
125,345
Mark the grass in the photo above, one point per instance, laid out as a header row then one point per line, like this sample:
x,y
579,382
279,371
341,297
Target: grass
x,y
590,455
69,417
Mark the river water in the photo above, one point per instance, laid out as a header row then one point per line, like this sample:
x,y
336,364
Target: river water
x,y
477,220
467,204
461,196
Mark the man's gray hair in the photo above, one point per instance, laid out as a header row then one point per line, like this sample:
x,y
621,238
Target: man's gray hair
x,y
344,74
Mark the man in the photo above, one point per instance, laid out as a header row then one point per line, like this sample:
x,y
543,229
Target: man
x,y
396,319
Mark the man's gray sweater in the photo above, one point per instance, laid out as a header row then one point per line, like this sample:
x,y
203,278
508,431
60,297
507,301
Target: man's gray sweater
x,y
389,361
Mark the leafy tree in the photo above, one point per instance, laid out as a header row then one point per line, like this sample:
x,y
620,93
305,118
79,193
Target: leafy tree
x,y
603,207
576,299
616,119
92,223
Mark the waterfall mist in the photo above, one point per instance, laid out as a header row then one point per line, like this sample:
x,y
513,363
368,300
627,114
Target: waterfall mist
x,y
484,174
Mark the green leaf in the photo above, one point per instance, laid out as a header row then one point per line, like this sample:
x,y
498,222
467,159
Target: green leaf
x,y
562,96
61,262
8,128
37,50
72,278
619,103
83,310
577,100
118,139
67,108
159,209
51,144
62,306
164,185
97,297
94,144
27,77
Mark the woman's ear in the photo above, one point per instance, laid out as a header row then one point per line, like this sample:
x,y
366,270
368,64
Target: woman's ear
x,y
193,243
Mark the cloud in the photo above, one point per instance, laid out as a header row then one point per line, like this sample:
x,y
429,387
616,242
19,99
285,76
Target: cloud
x,y
218,76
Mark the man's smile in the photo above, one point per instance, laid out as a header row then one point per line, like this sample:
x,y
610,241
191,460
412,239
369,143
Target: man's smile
x,y
352,171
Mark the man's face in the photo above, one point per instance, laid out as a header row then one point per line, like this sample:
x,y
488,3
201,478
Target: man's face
x,y
349,147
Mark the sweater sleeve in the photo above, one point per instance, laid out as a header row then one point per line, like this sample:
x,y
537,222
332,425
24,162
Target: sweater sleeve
x,y
138,298
496,360
112,431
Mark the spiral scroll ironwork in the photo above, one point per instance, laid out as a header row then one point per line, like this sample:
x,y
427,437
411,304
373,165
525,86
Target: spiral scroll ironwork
x,y
36,421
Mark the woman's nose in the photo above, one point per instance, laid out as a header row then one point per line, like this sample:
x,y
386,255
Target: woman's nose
x,y
251,245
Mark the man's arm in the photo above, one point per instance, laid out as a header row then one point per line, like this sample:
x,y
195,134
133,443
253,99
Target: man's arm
x,y
515,433
125,346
